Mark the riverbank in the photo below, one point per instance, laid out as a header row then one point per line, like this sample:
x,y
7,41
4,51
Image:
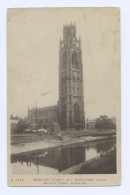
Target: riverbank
x,y
30,137
102,164
21,144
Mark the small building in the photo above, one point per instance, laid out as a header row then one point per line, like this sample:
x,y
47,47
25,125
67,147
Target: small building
x,y
90,124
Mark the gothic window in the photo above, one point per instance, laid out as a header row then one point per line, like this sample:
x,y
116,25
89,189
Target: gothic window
x,y
74,60
78,91
74,90
64,59
69,75
63,88
76,113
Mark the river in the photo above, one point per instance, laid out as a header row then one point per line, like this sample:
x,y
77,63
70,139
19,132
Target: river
x,y
55,160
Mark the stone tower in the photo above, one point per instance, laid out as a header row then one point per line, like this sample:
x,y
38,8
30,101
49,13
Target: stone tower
x,y
71,96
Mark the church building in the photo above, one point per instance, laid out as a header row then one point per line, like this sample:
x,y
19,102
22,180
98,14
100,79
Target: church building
x,y
69,112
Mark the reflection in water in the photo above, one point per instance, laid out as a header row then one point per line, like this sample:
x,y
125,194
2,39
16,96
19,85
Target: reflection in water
x,y
91,153
54,160
23,168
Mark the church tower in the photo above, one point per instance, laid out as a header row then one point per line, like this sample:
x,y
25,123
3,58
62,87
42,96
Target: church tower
x,y
71,96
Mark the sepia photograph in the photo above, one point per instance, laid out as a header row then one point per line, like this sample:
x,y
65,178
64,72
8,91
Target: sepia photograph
x,y
63,73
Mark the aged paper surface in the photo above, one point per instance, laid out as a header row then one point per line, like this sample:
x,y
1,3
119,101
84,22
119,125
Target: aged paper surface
x,y
63,96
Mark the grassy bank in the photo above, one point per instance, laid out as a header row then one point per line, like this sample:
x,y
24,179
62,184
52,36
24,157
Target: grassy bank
x,y
103,164
82,133
29,138
106,164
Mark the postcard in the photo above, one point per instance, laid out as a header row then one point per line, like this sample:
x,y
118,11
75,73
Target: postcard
x,y
64,102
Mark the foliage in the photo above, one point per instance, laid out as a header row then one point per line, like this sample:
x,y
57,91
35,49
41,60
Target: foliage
x,y
22,126
103,122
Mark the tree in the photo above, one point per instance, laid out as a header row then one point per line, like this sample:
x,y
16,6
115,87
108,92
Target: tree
x,y
103,122
21,126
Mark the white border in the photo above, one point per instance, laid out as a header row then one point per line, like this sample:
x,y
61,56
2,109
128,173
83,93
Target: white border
x,y
125,82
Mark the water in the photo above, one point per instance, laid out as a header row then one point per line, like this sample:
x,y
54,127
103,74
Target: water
x,y
55,160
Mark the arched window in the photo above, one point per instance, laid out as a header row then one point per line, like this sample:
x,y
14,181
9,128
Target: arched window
x,y
74,60
64,59
76,113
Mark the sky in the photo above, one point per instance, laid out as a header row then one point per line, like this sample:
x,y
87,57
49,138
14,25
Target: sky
x,y
33,57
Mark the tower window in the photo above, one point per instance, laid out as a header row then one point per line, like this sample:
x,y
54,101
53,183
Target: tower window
x,y
76,113
77,91
74,60
74,90
64,59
